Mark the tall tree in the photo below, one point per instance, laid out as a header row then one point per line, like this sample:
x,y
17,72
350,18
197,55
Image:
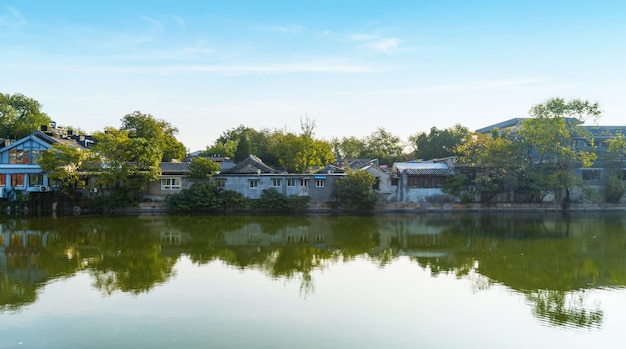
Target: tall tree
x,y
551,131
158,132
348,147
298,154
63,164
127,164
243,149
384,146
439,143
20,116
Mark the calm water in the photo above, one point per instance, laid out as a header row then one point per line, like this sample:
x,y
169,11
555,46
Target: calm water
x,y
418,281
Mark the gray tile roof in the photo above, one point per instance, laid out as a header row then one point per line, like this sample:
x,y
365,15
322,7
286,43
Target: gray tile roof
x,y
174,167
423,168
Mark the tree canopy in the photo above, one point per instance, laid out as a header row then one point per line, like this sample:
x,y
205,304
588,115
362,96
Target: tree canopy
x,y
202,168
127,164
158,132
538,157
439,143
20,116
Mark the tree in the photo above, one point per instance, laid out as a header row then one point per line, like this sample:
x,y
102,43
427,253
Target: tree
x,y
243,149
158,132
551,132
62,163
298,154
439,143
203,168
307,126
355,190
383,146
538,158
500,162
221,149
20,116
348,147
614,188
126,164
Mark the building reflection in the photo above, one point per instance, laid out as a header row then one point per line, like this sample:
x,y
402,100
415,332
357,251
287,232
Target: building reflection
x,y
545,257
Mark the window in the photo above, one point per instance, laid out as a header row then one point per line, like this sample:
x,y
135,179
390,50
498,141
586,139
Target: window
x,y
35,156
320,183
425,181
16,156
276,182
172,183
17,180
304,182
35,180
291,182
254,183
220,182
3,180
591,175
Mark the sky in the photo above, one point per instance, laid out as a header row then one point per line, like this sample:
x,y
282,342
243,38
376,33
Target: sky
x,y
351,67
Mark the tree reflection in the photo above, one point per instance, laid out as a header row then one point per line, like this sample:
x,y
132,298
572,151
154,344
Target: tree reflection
x,y
551,259
15,294
564,308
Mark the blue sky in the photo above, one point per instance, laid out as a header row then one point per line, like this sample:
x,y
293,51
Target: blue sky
x,y
351,66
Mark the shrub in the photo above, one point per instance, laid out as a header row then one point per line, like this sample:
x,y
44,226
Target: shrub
x,y
271,199
355,191
206,196
614,189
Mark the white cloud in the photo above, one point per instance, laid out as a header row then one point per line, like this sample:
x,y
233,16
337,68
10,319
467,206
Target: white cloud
x,y
384,45
243,69
470,87
12,18
362,37
291,28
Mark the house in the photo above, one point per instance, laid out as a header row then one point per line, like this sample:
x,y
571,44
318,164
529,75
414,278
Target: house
x,y
421,181
172,180
250,177
19,163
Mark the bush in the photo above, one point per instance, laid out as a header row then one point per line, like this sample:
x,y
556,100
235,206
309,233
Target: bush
x,y
614,189
206,196
355,191
271,199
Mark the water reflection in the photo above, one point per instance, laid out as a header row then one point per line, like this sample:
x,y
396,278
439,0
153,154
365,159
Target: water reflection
x,y
551,259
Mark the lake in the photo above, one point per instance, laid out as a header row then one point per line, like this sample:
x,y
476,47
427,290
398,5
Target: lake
x,y
490,280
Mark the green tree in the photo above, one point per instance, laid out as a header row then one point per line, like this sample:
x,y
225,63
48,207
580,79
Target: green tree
x,y
614,188
256,143
203,168
500,163
384,146
243,148
126,164
551,132
355,190
158,132
439,143
20,116
63,164
348,147
221,149
299,154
